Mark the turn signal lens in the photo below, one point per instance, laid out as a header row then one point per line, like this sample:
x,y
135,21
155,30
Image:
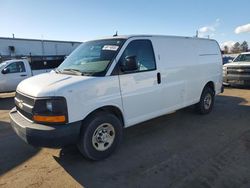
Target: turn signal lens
x,y
49,119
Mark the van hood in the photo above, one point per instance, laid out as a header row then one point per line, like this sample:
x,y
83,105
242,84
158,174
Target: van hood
x,y
237,63
48,84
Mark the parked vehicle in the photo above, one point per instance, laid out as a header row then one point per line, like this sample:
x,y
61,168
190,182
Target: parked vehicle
x,y
109,84
12,72
227,59
237,72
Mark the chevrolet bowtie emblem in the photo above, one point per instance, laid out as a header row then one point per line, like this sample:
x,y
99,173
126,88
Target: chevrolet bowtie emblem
x,y
20,104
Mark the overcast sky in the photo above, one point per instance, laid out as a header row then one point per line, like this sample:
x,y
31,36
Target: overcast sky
x,y
225,21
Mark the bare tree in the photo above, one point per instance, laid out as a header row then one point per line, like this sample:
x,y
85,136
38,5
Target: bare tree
x,y
226,49
244,46
236,48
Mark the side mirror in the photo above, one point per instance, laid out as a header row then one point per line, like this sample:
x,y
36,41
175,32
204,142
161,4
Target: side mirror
x,y
230,61
129,64
5,71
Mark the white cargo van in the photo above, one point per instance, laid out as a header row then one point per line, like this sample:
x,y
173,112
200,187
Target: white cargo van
x,y
109,84
12,72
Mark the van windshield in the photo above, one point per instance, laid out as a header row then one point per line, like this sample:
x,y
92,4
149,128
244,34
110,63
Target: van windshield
x,y
91,58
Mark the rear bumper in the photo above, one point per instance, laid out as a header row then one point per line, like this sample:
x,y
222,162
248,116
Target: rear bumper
x,y
53,136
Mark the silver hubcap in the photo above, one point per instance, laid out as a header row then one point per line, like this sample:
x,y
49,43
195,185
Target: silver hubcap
x,y
103,137
207,101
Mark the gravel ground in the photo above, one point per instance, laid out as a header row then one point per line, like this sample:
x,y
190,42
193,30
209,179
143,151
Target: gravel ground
x,y
182,149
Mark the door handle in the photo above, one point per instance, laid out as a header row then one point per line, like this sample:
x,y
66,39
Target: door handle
x,y
158,78
22,75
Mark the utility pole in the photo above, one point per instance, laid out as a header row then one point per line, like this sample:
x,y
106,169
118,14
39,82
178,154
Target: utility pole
x,y
197,34
42,42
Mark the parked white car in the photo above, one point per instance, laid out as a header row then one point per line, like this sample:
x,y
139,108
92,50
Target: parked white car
x,y
237,72
12,72
109,84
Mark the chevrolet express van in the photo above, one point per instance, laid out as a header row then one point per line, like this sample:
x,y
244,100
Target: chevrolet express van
x,y
109,84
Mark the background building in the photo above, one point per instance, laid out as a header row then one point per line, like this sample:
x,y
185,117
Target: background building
x,y
35,50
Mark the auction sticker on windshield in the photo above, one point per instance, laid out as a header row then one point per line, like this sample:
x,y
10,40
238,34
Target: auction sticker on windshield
x,y
110,47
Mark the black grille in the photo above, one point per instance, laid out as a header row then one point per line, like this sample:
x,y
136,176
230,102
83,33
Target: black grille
x,y
28,100
24,105
239,70
24,113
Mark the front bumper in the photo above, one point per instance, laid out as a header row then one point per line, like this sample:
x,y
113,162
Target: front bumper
x,y
243,80
53,136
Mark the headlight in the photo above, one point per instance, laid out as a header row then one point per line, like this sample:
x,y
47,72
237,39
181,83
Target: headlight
x,y
50,110
224,71
49,105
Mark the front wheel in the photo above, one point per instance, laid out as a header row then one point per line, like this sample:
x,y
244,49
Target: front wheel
x,y
206,103
100,136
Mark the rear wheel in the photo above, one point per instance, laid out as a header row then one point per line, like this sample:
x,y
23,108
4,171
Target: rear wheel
x,y
100,136
206,103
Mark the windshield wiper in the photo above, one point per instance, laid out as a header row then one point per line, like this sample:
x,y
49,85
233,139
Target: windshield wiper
x,y
88,73
57,70
74,71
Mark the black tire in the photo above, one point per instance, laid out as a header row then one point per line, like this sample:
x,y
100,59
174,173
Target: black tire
x,y
205,107
91,143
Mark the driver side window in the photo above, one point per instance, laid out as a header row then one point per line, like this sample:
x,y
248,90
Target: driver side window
x,y
143,51
16,67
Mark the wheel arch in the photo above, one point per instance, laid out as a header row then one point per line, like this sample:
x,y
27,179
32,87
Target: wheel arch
x,y
211,85
109,108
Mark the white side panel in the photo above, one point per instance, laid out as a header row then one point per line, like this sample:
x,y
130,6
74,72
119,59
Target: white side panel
x,y
209,56
141,96
85,97
187,65
173,55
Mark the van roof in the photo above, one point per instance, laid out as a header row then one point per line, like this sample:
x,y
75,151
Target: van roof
x,y
168,36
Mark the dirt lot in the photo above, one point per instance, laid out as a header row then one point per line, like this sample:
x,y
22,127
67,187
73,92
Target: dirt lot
x,y
182,149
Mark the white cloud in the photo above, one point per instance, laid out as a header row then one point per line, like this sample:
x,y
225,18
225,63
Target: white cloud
x,y
209,29
242,29
206,29
229,44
